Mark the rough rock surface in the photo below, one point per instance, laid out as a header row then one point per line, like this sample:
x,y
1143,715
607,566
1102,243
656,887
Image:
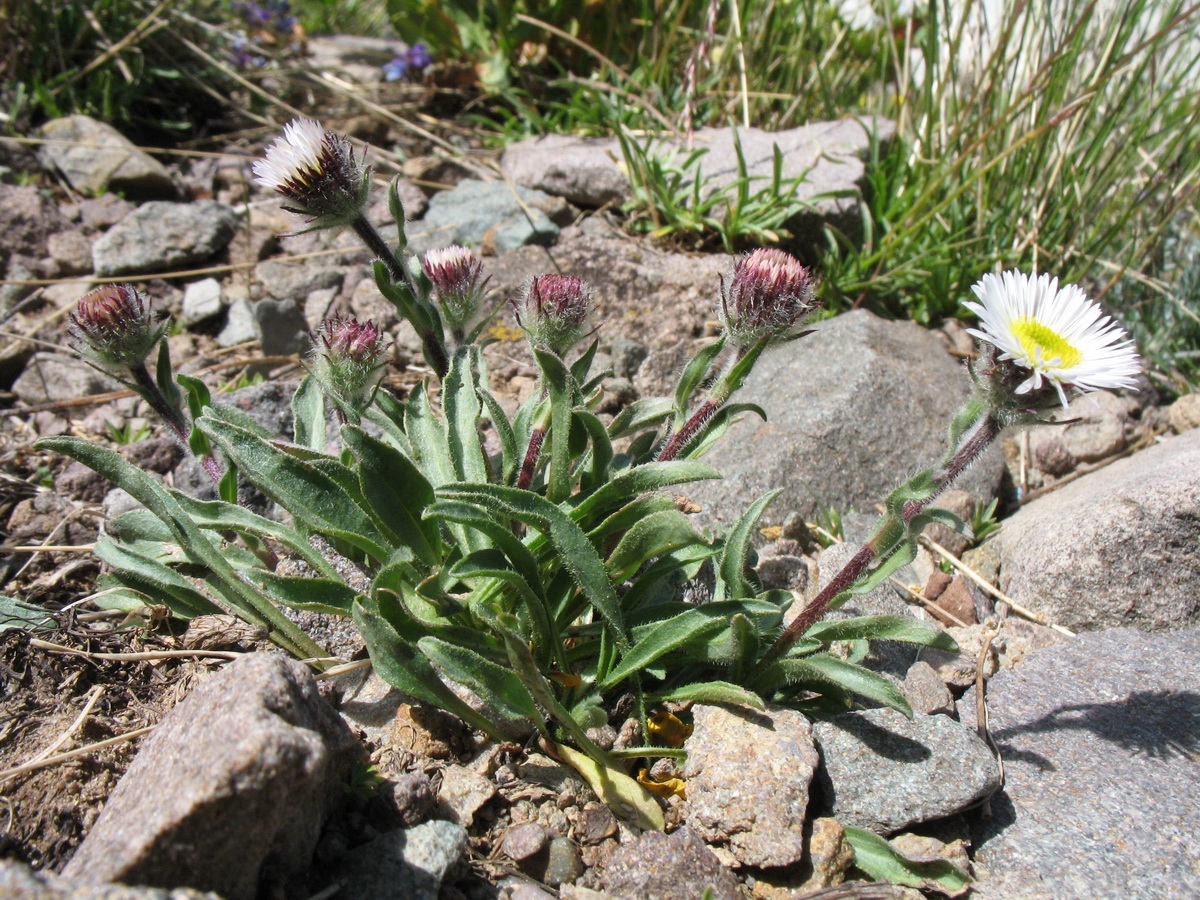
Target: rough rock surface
x,y
1119,546
489,216
27,220
19,882
676,866
256,762
748,775
96,158
827,155
882,771
159,236
407,864
1100,738
852,410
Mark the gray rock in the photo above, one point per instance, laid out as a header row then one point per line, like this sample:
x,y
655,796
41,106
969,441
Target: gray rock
x,y
1100,431
585,171
27,219
748,775
1119,546
463,793
283,327
1099,737
202,300
289,281
853,409
51,376
241,324
827,155
659,866
408,864
563,864
71,252
159,236
257,762
882,771
485,215
100,158
19,882
525,841
889,657
100,213
269,404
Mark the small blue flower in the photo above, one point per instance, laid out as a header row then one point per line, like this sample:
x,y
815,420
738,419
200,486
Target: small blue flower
x,y
419,56
396,69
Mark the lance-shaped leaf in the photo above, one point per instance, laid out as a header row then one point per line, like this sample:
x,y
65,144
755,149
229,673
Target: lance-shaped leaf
x,y
308,414
883,862
153,577
690,626
885,628
600,456
323,595
712,692
462,409
654,535
731,570
692,376
649,477
492,563
246,599
497,686
309,492
823,668
578,555
397,493
638,415
403,666
620,793
559,384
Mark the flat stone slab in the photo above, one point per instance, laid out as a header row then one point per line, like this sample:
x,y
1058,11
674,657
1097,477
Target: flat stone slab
x,y
1100,737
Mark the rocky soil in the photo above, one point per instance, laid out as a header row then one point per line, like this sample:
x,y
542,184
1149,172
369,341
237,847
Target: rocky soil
x,y
1077,621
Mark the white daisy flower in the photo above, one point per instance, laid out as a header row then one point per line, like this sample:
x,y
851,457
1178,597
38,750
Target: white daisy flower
x,y
317,172
1058,334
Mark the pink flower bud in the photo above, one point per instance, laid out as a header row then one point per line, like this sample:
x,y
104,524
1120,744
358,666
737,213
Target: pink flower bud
x,y
348,360
769,295
114,327
554,311
455,273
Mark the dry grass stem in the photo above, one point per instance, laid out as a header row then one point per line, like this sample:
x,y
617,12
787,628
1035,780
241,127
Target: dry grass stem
x,y
74,754
135,657
995,592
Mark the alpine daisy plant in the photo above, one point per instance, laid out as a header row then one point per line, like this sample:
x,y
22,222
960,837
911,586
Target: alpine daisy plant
x,y
539,558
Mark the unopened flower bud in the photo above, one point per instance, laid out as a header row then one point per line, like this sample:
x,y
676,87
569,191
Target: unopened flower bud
x,y
349,361
317,173
455,273
114,327
554,311
769,295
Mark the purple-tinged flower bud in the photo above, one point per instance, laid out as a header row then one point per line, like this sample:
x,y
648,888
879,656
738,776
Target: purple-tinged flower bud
x,y
349,361
455,273
115,328
316,171
554,311
769,295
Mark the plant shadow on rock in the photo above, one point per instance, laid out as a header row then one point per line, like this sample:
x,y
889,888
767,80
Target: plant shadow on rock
x,y
1154,724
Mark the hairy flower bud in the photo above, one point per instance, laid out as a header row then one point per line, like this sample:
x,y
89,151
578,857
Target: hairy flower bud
x,y
115,328
455,273
316,171
348,360
769,296
554,311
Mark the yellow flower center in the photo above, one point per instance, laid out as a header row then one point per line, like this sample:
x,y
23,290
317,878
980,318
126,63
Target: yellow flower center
x,y
1035,336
